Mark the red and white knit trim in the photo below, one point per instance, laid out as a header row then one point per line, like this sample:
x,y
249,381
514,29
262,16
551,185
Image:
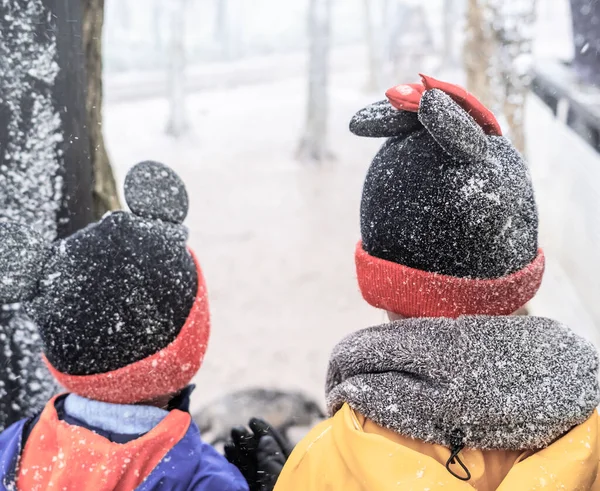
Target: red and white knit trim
x,y
413,293
165,372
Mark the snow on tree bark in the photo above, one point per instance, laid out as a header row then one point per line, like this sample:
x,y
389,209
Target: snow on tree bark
x,y
69,97
478,51
31,183
50,140
498,58
313,145
177,124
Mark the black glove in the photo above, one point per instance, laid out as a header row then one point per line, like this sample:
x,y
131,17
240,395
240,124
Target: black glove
x,y
259,454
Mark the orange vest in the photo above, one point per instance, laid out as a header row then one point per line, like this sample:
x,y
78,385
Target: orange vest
x,y
61,456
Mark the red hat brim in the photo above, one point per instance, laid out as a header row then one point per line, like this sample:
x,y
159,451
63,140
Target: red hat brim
x,y
411,292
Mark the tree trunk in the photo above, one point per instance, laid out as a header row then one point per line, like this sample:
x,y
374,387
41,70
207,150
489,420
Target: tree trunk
x,y
105,194
449,27
313,145
221,22
374,47
54,172
514,42
228,27
45,167
178,123
410,40
478,51
123,17
157,31
498,59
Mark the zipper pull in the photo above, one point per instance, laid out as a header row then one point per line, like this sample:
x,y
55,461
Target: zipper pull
x,y
456,446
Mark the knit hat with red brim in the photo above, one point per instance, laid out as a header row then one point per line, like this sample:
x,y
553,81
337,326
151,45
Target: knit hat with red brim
x,y
449,221
121,305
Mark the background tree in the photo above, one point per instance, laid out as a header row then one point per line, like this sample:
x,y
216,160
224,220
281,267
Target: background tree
x,y
178,123
478,52
220,33
498,58
585,15
157,25
105,194
410,41
313,144
449,25
50,143
374,20
228,27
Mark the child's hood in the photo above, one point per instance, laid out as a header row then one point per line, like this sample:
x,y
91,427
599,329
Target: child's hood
x,y
512,383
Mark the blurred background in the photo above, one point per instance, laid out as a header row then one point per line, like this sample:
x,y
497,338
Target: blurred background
x,y
249,101
275,218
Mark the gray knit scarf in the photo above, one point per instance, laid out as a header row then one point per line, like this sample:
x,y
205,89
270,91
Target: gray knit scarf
x,y
484,382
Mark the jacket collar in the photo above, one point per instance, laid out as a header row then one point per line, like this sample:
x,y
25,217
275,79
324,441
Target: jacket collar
x,y
506,383
570,463
123,419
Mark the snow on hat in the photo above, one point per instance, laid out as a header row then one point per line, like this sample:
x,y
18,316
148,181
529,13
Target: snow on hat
x,y
121,305
449,222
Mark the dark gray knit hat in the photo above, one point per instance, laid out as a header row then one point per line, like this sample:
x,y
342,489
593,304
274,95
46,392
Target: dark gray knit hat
x,y
449,222
494,382
120,305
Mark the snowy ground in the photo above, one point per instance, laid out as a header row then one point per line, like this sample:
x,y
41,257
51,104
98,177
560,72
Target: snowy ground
x,y
276,238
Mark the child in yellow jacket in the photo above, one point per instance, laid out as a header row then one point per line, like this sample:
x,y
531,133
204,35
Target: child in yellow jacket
x,y
478,402
449,228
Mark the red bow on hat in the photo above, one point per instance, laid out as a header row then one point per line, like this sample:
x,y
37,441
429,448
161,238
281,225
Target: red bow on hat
x,y
407,97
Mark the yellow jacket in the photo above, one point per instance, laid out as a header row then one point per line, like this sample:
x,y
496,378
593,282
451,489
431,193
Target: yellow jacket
x,y
350,453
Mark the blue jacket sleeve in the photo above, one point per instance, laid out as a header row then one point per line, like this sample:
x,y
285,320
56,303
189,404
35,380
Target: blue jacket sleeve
x,y
10,450
215,473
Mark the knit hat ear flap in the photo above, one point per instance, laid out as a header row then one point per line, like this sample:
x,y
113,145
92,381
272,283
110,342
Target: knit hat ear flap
x,y
23,254
382,120
154,191
451,127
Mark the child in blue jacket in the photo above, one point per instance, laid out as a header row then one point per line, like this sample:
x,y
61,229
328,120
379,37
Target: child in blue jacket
x,y
122,311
